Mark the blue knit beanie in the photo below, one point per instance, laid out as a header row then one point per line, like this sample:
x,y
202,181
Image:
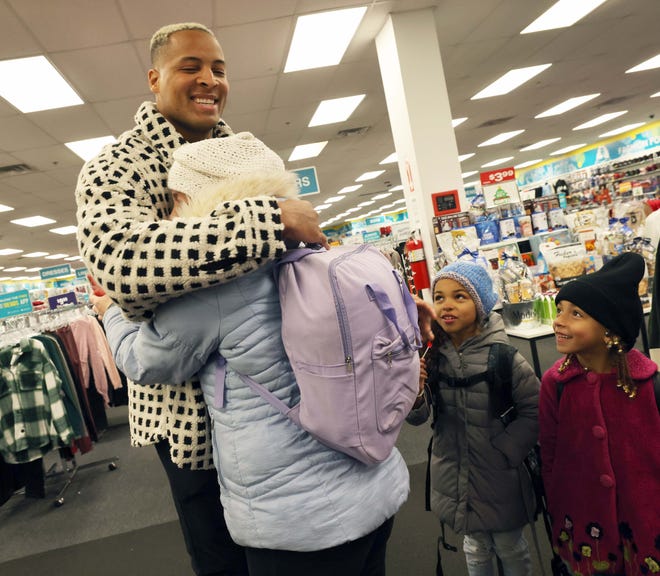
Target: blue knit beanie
x,y
476,280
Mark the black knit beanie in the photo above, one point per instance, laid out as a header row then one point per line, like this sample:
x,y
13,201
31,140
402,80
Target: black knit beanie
x,y
610,296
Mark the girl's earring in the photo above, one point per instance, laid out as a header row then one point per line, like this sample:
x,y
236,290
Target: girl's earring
x,y
613,343
566,363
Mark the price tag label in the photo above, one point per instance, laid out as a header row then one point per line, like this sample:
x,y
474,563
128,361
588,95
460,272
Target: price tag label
x,y
60,300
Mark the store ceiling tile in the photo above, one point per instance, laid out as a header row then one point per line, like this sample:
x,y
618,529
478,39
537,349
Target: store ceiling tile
x,y
102,73
102,47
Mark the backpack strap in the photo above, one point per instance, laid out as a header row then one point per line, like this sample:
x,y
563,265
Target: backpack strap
x,y
500,380
267,395
382,300
456,382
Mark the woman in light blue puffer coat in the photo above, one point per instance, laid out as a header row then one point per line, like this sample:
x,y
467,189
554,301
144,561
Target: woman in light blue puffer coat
x,y
283,492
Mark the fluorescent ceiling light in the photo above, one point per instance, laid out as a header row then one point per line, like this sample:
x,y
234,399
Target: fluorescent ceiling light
x,y
334,199
16,269
35,254
528,163
623,129
656,95
347,189
335,110
4,208
510,81
366,203
307,151
496,162
17,85
468,174
87,149
321,207
396,188
35,269
9,251
33,221
351,210
600,120
503,137
321,39
567,105
465,156
381,196
540,144
567,149
56,256
457,121
393,157
646,65
369,175
72,258
562,14
64,230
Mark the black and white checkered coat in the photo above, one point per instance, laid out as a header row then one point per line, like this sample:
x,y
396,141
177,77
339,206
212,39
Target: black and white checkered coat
x,y
142,260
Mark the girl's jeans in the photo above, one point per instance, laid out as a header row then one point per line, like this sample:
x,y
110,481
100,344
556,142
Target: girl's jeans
x,y
511,548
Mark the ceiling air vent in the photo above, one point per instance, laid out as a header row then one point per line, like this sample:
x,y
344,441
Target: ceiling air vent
x,y
495,122
353,131
14,170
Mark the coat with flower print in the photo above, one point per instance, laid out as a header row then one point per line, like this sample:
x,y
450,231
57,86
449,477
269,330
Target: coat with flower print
x,y
600,453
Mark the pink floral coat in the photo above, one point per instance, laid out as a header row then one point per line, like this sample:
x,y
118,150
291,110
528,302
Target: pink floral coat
x,y
600,454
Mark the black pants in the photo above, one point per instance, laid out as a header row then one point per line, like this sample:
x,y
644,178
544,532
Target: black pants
x,y
196,497
362,557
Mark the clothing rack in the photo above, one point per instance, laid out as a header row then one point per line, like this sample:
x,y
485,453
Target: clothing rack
x,y
71,469
13,330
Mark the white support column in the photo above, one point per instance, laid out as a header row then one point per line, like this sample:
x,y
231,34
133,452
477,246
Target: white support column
x,y
420,116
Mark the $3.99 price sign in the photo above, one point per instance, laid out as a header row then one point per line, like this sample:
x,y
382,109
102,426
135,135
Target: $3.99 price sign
x,y
496,176
499,187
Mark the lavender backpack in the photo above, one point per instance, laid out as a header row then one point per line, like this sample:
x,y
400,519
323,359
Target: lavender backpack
x,y
349,327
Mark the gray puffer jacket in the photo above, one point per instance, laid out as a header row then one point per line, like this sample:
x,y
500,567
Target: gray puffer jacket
x,y
478,482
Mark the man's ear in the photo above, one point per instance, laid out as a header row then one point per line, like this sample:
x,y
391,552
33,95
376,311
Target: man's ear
x,y
154,76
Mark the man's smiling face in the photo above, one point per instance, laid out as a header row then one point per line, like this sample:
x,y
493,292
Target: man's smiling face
x,y
190,83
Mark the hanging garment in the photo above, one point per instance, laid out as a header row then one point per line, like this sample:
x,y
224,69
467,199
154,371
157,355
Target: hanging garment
x,y
71,401
33,418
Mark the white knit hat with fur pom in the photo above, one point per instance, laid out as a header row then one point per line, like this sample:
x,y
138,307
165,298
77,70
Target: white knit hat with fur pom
x,y
199,165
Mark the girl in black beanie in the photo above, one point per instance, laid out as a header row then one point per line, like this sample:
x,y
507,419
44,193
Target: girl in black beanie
x,y
600,427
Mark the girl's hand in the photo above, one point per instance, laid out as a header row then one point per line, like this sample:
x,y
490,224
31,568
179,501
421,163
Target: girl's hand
x,y
100,304
426,315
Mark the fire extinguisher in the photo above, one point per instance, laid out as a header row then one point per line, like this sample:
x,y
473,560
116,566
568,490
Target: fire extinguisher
x,y
414,250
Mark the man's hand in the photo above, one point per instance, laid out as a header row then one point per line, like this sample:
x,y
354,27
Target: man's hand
x,y
426,316
301,223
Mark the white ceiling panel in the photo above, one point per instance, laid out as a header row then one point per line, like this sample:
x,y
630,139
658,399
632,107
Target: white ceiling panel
x,y
19,133
103,73
101,46
144,17
232,13
70,124
72,24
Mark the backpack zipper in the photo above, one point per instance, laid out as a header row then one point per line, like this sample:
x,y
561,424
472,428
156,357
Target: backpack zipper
x,y
347,344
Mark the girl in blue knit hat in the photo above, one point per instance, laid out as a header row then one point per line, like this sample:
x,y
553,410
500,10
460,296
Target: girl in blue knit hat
x,y
481,435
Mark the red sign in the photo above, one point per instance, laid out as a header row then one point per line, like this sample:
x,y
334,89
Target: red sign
x,y
497,176
445,202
